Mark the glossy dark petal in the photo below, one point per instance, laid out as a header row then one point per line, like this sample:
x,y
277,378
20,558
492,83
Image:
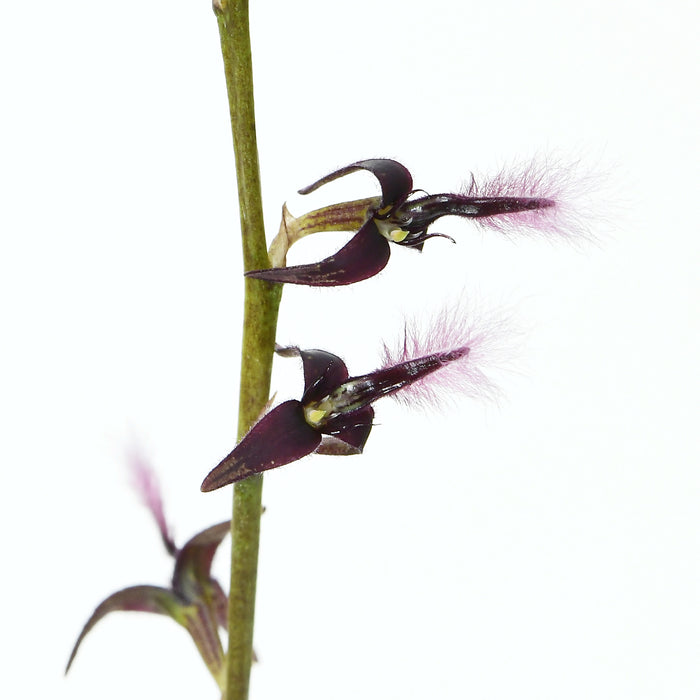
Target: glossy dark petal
x,y
323,372
153,599
395,180
366,254
352,428
280,437
193,563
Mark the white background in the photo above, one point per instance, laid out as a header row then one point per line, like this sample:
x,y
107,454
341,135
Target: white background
x,y
547,547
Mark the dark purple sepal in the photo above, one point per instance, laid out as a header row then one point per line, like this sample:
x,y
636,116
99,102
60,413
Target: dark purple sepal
x,y
394,179
153,599
280,437
363,256
323,372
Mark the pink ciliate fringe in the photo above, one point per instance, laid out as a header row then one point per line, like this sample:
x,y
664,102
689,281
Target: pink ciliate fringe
x,y
145,481
449,330
569,189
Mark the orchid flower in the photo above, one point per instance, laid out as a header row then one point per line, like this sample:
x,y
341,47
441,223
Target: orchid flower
x,y
194,599
335,415
402,215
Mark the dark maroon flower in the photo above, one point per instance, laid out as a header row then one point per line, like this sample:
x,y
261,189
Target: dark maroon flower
x,y
194,599
402,215
334,415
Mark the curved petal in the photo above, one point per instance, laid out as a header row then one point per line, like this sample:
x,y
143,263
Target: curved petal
x,y
323,372
280,437
193,563
366,254
153,599
395,180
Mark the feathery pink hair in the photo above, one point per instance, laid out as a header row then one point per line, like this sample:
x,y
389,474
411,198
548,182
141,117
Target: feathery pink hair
x,y
145,482
448,330
567,187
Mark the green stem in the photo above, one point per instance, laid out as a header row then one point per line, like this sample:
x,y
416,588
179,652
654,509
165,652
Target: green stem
x,y
259,325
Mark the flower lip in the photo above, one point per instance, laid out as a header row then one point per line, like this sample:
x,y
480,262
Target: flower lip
x,y
424,211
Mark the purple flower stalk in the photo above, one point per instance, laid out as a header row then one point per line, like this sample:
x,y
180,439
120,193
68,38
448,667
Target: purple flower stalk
x,y
402,215
335,415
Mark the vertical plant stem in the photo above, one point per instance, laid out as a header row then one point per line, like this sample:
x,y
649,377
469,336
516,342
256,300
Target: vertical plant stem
x,y
259,324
